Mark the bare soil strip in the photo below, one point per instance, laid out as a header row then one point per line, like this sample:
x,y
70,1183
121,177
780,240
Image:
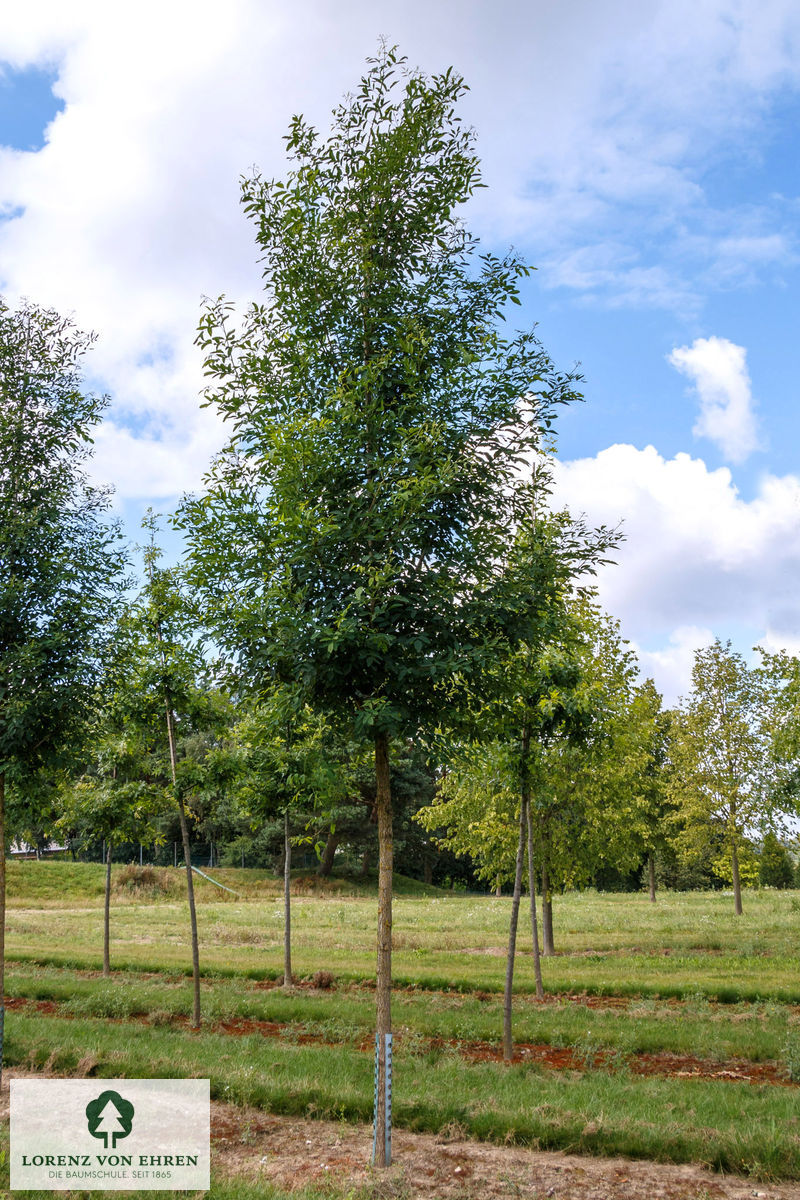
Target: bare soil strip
x,y
551,1058
291,1153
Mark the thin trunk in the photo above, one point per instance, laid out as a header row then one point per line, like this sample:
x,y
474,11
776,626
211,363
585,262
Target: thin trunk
x,y
363,870
548,947
328,854
2,913
737,885
498,887
537,962
187,854
651,875
287,902
508,1044
383,981
107,915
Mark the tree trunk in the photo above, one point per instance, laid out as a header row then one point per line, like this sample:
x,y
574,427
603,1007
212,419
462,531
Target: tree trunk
x,y
737,886
548,947
651,875
383,981
363,870
498,889
107,915
328,854
537,962
427,871
508,1044
2,914
287,902
187,854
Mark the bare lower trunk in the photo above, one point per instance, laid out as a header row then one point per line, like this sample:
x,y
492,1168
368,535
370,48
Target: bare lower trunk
x,y
548,946
383,983
651,875
287,902
508,1044
363,870
187,854
737,885
498,888
328,854
107,915
2,913
537,962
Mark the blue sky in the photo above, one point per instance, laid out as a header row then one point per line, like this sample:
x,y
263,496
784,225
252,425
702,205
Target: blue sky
x,y
643,157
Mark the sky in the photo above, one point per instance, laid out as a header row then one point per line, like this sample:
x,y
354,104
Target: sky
x,y
643,157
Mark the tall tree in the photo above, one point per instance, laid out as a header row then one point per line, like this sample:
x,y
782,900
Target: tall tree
x,y
60,559
353,533
720,751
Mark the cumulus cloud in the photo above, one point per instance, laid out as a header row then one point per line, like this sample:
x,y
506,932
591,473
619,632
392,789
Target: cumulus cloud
x,y
696,556
671,665
129,213
718,371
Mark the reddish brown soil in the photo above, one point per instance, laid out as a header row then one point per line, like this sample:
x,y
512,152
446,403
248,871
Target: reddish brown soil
x,y
551,1058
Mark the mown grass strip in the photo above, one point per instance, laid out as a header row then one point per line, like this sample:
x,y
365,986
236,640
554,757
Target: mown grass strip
x,y
725,981
731,1127
756,1033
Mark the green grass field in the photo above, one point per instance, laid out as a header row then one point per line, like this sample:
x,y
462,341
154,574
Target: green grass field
x,y
679,978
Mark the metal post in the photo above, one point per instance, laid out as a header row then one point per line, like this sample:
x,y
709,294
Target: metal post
x,y
387,1129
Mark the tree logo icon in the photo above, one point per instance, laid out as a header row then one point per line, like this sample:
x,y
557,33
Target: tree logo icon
x,y
109,1116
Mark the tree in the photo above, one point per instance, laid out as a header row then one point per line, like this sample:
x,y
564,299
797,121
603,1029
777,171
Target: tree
x,y
287,761
60,560
775,867
719,754
115,798
354,532
170,663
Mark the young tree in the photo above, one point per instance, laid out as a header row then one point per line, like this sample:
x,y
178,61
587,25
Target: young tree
x,y
287,763
353,533
60,561
719,753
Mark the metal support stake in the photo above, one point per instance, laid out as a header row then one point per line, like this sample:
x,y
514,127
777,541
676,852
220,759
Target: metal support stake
x,y
387,1129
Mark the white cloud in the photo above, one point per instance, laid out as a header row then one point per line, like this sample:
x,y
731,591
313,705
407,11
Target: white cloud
x,y
672,665
696,555
130,213
718,371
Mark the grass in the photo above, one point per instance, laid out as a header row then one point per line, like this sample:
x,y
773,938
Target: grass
x,y
734,979
732,1127
755,1032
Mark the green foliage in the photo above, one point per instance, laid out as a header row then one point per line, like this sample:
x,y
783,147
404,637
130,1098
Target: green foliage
x,y
356,532
720,760
775,867
60,561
